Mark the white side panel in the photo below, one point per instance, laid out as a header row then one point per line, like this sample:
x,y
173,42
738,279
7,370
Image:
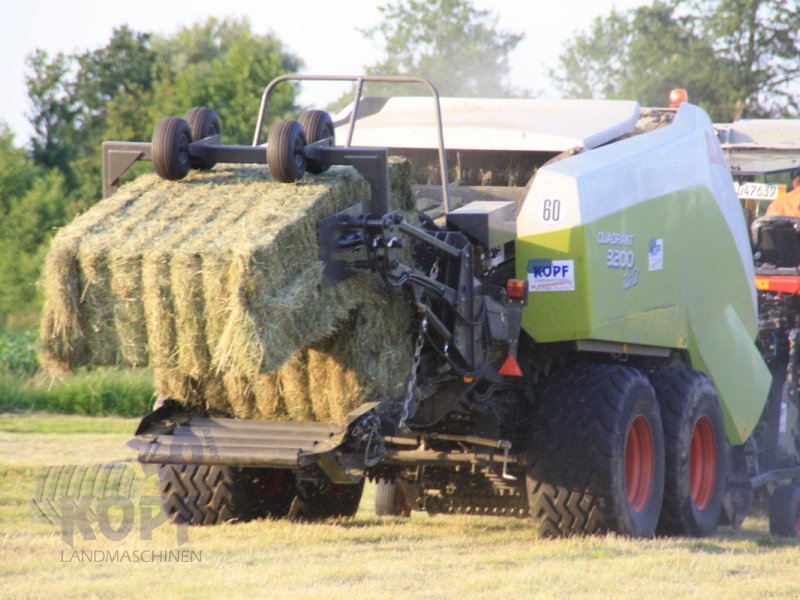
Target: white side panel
x,y
494,124
606,180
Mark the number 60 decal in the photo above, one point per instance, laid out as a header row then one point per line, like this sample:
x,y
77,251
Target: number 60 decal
x,y
551,210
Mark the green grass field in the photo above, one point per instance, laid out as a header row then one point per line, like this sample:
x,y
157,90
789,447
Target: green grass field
x,y
367,557
100,391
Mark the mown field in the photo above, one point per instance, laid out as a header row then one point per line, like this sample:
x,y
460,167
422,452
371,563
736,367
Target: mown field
x,y
367,557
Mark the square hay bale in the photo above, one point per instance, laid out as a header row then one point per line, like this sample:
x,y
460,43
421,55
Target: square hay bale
x,y
214,282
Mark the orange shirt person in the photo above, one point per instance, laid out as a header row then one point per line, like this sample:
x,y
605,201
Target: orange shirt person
x,y
789,204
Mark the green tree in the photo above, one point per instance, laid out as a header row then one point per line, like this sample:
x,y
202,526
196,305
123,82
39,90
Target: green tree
x,y
456,46
732,56
53,111
17,171
225,66
761,38
31,206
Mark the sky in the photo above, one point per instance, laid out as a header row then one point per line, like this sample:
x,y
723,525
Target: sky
x,y
323,33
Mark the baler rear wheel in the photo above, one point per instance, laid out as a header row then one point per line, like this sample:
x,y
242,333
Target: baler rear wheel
x,y
596,453
204,123
207,495
325,500
390,500
285,146
170,148
318,125
696,451
784,511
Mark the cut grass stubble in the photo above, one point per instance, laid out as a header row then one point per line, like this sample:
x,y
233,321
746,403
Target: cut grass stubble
x,y
367,557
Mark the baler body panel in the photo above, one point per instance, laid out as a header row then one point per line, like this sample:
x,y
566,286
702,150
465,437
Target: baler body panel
x,y
644,242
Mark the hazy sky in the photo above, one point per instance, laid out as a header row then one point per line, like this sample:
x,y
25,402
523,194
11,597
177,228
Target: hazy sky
x,y
322,32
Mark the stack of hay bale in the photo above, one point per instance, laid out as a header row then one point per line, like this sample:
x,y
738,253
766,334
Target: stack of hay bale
x,y
214,282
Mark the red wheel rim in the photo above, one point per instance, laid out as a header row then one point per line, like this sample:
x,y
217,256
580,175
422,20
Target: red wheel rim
x,y
639,463
702,463
271,483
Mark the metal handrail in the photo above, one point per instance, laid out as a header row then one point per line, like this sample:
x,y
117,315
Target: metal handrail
x,y
360,80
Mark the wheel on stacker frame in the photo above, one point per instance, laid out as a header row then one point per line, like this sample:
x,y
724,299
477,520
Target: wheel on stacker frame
x,y
170,148
209,494
695,450
390,500
285,145
784,511
204,123
596,454
318,125
325,500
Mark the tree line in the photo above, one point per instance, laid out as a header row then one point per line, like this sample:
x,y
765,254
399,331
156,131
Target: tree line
x,y
737,58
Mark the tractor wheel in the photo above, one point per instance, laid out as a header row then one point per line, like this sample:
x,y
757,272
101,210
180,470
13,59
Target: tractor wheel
x,y
285,157
204,123
596,454
318,125
390,500
316,502
784,511
695,449
170,148
207,495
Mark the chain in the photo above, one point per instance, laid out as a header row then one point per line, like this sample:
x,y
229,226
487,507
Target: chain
x,y
412,376
408,400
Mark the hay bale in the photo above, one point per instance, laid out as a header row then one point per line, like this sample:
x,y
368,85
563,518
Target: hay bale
x,y
214,281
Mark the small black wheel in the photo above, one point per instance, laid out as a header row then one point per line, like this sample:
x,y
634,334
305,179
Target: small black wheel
x,y
209,494
318,125
285,146
170,148
204,123
784,511
696,451
390,500
325,500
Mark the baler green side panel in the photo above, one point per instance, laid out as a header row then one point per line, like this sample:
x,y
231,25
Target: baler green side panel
x,y
657,273
723,348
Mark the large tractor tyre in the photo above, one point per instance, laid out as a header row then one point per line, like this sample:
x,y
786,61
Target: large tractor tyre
x,y
784,511
696,452
390,500
204,123
207,495
320,501
285,146
170,148
318,125
596,454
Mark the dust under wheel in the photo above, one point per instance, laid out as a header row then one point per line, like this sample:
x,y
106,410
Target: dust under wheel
x,y
207,494
784,511
170,148
285,146
204,123
390,500
318,125
695,450
596,453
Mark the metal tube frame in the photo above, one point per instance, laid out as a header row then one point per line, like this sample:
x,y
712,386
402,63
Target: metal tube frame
x,y
359,80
